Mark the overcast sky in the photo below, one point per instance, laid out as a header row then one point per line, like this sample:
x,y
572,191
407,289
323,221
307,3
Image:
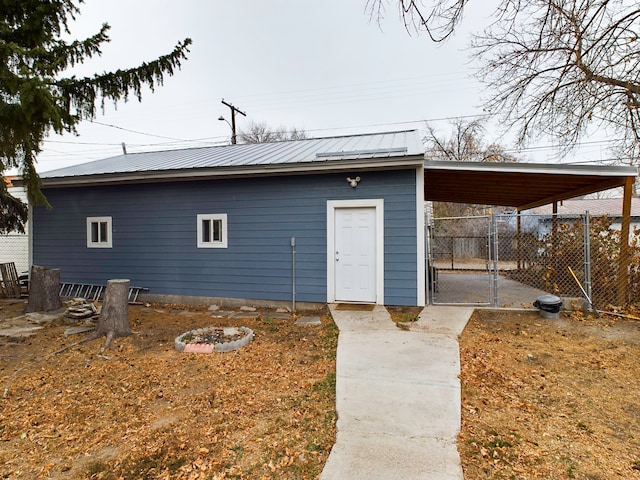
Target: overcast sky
x,y
319,65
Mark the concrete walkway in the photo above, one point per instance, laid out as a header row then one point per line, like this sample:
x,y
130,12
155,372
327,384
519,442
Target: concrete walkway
x,y
397,396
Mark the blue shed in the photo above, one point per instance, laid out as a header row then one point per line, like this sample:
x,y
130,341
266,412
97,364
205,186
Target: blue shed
x,y
335,219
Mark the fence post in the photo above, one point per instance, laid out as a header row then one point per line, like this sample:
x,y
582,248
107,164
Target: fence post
x,y
587,258
623,258
519,239
494,250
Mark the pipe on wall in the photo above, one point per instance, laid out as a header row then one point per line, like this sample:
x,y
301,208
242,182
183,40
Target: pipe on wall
x,y
293,274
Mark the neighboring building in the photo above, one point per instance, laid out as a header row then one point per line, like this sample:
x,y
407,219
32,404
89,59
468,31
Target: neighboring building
x,y
14,246
226,221
540,219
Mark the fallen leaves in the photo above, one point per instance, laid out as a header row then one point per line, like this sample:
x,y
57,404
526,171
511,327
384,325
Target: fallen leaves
x,y
149,411
553,399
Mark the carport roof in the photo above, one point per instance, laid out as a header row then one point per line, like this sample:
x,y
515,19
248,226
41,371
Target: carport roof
x,y
520,185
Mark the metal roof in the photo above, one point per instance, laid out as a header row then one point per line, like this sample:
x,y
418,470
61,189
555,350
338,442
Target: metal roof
x,y
597,207
520,185
312,154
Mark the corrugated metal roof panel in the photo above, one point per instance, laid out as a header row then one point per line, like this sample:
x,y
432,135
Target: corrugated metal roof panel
x,y
598,207
318,150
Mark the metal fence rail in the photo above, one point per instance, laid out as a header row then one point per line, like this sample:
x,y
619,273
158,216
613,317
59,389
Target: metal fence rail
x,y
574,256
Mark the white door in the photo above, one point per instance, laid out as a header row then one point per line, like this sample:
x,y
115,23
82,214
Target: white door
x,y
355,254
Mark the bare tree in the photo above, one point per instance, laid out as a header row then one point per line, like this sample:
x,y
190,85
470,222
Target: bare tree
x,y
260,132
557,67
551,67
465,144
438,18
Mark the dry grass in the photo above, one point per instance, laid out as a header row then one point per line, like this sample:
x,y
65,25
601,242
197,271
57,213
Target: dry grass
x,y
551,399
146,411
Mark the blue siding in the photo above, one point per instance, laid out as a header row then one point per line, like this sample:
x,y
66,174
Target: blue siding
x,y
154,234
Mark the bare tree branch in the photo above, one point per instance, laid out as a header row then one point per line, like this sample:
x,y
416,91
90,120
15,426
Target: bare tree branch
x,y
550,67
260,132
438,21
569,65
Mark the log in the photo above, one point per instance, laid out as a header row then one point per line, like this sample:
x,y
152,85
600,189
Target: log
x,y
44,290
114,317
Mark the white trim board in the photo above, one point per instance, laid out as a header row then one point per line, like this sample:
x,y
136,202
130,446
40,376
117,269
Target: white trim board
x,y
420,239
332,205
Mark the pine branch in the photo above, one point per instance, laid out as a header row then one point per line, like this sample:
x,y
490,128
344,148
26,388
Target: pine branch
x,y
81,93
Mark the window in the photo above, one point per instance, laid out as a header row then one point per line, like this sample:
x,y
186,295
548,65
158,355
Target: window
x,y
99,232
212,231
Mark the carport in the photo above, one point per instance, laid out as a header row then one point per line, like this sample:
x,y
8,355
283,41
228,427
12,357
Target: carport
x,y
528,185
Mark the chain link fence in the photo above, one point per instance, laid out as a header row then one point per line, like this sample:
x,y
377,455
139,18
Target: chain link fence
x,y
461,243
571,256
544,252
14,247
575,256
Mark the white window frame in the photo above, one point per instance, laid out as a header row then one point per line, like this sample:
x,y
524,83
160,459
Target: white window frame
x,y
212,217
99,244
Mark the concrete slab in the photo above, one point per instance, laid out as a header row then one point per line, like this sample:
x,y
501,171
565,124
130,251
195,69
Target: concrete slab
x,y
443,319
377,319
244,315
19,331
397,397
381,457
400,355
312,321
458,287
46,317
277,316
405,410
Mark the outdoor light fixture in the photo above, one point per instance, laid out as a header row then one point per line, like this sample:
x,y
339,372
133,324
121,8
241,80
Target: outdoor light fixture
x,y
353,181
233,130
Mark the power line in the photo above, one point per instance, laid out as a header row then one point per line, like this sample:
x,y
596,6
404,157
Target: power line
x,y
208,140
135,131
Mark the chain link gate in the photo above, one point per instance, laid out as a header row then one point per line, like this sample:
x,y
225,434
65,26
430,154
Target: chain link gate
x,y
507,260
459,261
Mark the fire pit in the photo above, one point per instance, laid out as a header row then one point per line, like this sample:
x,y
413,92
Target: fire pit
x,y
210,339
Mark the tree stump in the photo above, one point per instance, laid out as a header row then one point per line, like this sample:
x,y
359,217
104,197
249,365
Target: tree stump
x,y
114,317
44,289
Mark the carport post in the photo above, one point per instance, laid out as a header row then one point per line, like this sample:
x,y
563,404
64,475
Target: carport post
x,y
624,241
587,257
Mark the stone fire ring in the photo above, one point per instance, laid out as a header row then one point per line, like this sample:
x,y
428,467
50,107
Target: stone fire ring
x,y
185,346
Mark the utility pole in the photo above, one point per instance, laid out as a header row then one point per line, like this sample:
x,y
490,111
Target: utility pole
x,y
233,120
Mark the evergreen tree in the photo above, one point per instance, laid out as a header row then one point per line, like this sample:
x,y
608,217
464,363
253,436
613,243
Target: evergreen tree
x,y
37,98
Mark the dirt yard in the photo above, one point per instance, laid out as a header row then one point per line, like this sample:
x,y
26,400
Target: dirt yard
x,y
142,410
550,399
546,399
